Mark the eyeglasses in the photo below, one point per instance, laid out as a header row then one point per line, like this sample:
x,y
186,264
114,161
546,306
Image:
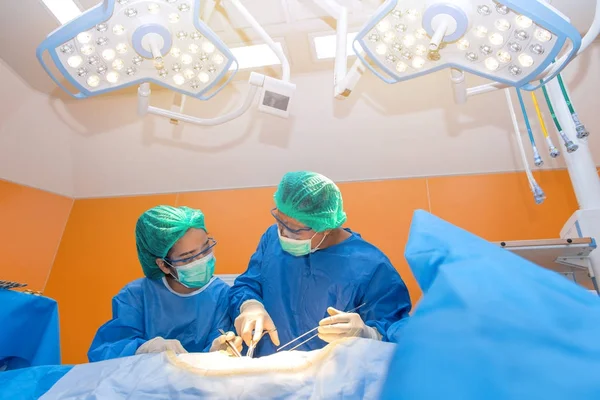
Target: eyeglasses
x,y
206,249
287,228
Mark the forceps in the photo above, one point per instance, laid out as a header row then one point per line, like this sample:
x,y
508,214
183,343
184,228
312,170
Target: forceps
x,y
231,347
312,330
252,346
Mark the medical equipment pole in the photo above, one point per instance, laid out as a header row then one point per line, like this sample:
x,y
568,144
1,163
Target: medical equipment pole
x,y
582,171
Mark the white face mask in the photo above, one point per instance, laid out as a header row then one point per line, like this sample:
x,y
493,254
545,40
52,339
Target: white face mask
x,y
298,247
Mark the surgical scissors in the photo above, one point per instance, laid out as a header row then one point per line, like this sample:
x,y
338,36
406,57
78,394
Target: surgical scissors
x,y
231,347
252,346
312,330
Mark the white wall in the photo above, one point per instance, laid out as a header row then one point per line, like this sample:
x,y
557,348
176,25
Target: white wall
x,y
35,146
382,131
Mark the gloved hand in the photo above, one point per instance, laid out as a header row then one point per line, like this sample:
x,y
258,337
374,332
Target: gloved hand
x,y
158,345
342,325
254,317
220,343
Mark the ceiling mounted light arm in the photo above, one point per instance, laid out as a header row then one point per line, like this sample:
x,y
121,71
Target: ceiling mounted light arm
x,y
275,97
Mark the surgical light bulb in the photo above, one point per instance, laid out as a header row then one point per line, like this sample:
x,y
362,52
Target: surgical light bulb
x,y
504,56
131,71
153,8
407,55
525,60
174,18
186,59
208,47
401,67
118,64
521,34
374,37
93,81
496,39
122,48
412,14
421,33
131,12
102,27
74,61
108,54
118,29
197,66
66,48
195,35
212,69
537,49
502,25
391,58
163,73
381,49
514,70
389,37
543,35
203,77
159,63
218,59
471,56
93,60
175,52
184,7
397,14
87,49
384,26
195,84
524,22
463,44
82,72
401,28
101,69
84,37
502,9
481,31
515,47
484,10
409,40
434,55
491,63
178,79
421,50
112,77
193,48
203,57
181,35
102,41
396,46
486,50
137,60
418,62
176,67
189,73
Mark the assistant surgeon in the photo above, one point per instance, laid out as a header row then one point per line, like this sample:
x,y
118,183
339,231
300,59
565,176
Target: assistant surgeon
x,y
179,305
308,270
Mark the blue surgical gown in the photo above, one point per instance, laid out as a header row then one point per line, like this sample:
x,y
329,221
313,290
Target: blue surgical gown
x,y
145,309
296,291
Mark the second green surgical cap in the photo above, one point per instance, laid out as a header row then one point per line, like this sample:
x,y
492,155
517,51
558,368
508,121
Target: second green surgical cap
x,y
312,199
158,229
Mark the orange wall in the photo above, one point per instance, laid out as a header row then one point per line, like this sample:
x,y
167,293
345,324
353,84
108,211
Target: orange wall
x,y
31,225
97,255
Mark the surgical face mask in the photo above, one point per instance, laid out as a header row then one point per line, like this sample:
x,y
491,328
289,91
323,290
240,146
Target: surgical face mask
x,y
298,247
197,273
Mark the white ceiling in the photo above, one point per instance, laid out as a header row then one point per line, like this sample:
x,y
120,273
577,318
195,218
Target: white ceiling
x,y
25,23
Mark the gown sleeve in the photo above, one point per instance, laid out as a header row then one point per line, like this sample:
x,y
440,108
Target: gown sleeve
x,y
222,318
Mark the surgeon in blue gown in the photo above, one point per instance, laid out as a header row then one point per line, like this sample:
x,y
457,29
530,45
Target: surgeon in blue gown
x,y
307,271
179,305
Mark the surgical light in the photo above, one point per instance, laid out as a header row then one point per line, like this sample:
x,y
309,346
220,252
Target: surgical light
x,y
135,31
510,41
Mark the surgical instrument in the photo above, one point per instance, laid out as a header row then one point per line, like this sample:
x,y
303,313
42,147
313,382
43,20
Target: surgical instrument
x,y
252,347
312,330
234,351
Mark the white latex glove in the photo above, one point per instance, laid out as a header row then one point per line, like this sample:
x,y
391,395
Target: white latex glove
x,y
158,345
220,343
342,325
254,317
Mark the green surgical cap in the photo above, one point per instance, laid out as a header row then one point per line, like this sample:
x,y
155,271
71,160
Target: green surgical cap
x,y
311,199
158,229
